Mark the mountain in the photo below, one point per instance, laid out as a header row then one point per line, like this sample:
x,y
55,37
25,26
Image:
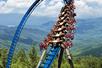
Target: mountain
x,y
32,32
28,36
87,36
94,51
47,26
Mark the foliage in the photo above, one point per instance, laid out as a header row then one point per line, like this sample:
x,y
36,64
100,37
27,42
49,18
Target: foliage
x,y
29,60
82,62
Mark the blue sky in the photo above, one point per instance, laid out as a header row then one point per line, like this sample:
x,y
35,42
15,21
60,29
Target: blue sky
x,y
84,8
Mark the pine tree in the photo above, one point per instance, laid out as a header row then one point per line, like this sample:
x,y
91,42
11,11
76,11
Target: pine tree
x,y
22,60
21,55
33,57
4,57
1,58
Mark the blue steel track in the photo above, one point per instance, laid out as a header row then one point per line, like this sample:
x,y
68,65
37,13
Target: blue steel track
x,y
18,32
17,35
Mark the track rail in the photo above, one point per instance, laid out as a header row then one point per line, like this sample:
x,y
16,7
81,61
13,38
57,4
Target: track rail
x,y
49,58
62,35
53,50
19,30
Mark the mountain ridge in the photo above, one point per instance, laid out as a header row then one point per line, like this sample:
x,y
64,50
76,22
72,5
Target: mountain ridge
x,y
87,36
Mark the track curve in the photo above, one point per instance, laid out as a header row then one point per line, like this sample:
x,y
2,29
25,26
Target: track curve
x,y
19,30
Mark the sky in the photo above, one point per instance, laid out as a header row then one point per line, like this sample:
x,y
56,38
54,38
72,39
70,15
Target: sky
x,y
84,8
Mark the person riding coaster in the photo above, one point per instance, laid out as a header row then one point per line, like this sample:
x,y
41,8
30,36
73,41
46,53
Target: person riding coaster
x,y
49,40
62,32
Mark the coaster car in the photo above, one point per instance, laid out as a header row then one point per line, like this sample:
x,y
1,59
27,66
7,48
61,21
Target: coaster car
x,y
69,35
67,44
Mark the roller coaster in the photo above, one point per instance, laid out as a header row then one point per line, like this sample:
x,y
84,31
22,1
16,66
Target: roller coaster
x,y
58,40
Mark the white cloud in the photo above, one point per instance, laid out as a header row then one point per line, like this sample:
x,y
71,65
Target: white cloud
x,y
84,8
89,8
51,9
2,3
18,5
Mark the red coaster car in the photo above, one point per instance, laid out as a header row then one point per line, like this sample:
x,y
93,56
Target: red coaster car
x,y
67,44
69,35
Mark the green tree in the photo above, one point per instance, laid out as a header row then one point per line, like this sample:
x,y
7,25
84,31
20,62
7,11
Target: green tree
x,y
22,60
33,58
0,58
4,57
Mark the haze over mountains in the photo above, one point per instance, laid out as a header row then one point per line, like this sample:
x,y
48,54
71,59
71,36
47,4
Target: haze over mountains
x,y
14,19
88,36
